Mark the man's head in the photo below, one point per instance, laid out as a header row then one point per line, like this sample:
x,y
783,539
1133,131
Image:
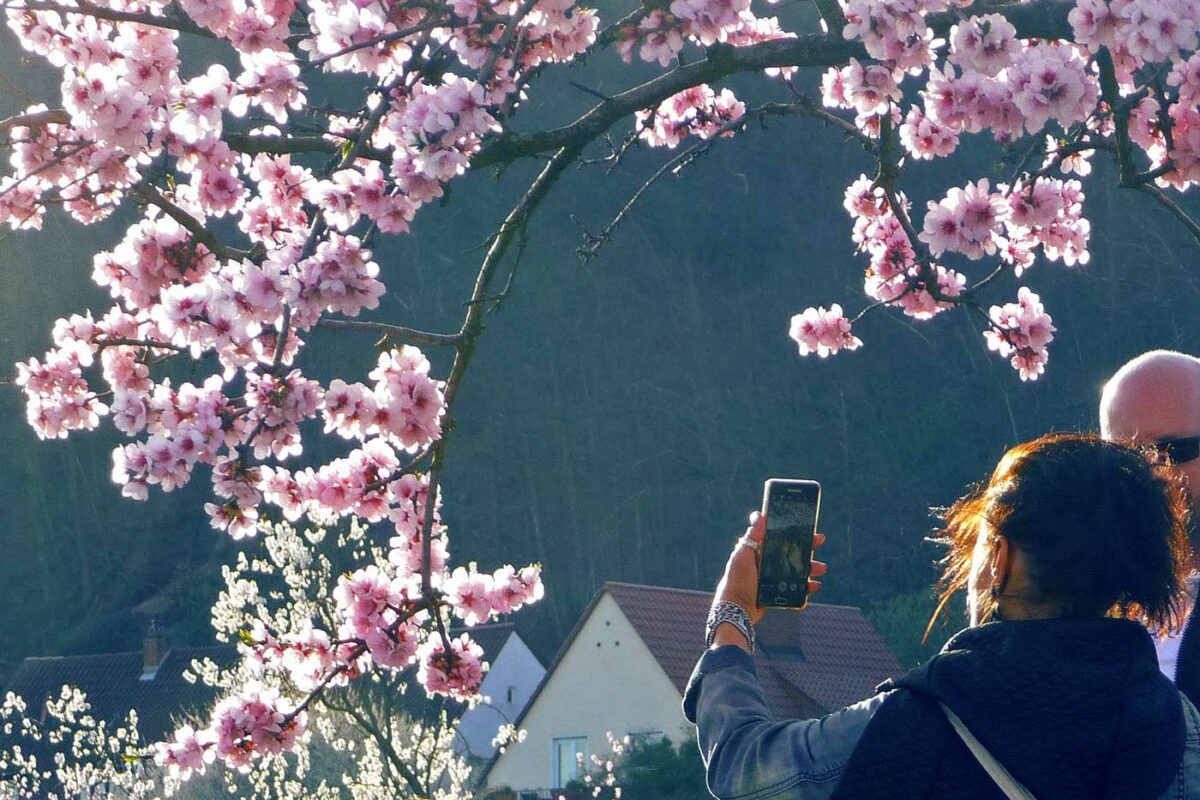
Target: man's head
x,y
1153,398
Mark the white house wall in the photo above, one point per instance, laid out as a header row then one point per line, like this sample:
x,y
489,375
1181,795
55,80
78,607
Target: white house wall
x,y
607,681
516,666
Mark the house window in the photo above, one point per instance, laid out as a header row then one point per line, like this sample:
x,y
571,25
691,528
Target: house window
x,y
570,759
512,694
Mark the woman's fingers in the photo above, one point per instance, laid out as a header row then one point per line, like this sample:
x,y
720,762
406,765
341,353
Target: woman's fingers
x,y
757,532
818,569
818,540
813,587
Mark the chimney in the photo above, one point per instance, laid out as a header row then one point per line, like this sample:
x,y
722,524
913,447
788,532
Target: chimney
x,y
154,651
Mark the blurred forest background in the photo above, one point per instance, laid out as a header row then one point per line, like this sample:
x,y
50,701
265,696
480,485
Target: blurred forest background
x,y
621,415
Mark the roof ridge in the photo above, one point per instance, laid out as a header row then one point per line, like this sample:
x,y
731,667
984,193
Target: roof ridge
x,y
82,655
709,592
173,649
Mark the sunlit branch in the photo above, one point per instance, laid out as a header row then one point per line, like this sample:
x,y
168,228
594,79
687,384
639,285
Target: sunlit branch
x,y
472,327
385,744
37,119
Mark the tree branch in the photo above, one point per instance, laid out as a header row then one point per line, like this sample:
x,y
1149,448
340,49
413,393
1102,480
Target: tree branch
x,y
1177,210
397,332
1045,20
1119,107
153,345
832,16
383,38
702,146
148,193
86,9
37,119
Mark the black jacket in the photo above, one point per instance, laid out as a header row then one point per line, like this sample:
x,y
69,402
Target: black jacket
x,y
1073,709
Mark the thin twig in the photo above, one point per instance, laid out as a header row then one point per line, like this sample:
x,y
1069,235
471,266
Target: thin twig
x,y
383,38
1177,210
397,332
117,341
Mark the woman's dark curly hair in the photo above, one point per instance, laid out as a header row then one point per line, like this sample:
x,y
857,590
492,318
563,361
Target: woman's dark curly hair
x,y
1102,530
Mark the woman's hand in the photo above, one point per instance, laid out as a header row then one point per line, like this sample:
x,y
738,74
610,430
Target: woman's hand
x,y
740,583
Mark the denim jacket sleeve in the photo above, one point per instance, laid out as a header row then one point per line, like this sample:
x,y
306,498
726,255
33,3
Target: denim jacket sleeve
x,y
1186,785
751,756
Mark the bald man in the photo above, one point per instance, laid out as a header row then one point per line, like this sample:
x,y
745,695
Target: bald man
x,y
1155,399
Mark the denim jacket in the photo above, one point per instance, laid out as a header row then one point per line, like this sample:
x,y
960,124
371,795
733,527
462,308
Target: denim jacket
x,y
751,756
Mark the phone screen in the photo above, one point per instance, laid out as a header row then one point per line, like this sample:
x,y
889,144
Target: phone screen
x,y
791,507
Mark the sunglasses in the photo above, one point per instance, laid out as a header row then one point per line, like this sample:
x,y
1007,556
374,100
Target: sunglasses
x,y
1178,451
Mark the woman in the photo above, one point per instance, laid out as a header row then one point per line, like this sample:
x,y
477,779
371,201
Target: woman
x,y
1073,547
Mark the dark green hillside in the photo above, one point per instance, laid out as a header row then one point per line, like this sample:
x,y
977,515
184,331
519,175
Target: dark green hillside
x,y
622,414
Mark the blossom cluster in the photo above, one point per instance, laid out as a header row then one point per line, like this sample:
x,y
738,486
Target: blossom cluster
x,y
698,111
254,722
985,77
1021,330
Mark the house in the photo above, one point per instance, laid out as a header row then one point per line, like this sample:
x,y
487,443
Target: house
x,y
510,681
149,681
625,665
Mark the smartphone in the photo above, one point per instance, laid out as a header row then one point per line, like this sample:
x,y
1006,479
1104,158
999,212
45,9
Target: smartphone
x,y
791,507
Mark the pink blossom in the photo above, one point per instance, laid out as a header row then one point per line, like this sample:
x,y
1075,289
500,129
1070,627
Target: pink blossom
x,y
457,674
697,111
201,101
968,221
307,655
985,44
1050,212
660,39
252,723
1021,330
470,595
1051,81
893,31
924,138
191,751
709,21
823,331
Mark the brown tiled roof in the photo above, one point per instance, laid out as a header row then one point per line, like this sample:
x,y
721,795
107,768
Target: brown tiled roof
x,y
113,685
826,655
808,663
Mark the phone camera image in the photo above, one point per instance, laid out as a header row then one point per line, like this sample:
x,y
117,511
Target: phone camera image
x,y
791,508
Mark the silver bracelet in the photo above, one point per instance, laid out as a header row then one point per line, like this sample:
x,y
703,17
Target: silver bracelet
x,y
732,613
